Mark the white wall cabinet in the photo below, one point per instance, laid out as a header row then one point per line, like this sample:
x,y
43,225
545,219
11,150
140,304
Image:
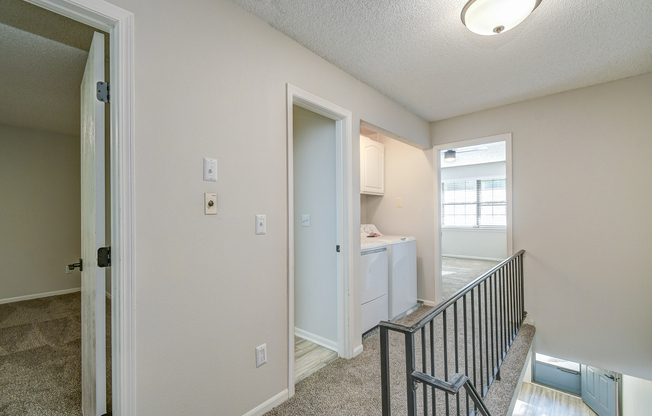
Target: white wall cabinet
x,y
372,167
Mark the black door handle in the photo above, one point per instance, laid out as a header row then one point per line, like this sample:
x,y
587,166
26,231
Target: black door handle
x,y
337,248
72,266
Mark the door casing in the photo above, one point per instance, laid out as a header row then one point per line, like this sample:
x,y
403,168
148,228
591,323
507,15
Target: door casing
x,y
507,138
118,23
344,199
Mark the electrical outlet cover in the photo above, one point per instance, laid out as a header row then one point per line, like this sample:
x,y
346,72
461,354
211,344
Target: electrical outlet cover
x,y
261,355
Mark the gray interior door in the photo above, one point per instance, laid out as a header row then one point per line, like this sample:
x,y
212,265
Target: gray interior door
x,y
599,390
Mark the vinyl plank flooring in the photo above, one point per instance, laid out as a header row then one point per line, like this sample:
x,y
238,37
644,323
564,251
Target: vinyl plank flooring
x,y
535,400
310,357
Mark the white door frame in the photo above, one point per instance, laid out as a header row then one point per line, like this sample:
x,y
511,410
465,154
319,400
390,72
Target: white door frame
x,y
344,200
119,24
507,138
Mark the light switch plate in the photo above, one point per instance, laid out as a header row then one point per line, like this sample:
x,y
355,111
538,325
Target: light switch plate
x,y
261,224
399,202
210,169
305,220
210,204
261,355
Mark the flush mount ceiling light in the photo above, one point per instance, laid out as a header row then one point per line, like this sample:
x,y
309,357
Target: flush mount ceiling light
x,y
449,156
491,17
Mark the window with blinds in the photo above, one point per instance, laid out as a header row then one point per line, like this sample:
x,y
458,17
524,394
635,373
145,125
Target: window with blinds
x,y
474,203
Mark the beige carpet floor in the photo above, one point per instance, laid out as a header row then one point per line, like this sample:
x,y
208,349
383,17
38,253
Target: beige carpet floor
x,y
353,387
40,357
457,273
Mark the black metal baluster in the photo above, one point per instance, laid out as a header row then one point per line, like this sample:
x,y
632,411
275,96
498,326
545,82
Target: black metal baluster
x,y
480,340
384,370
409,369
486,333
518,293
424,368
457,365
466,352
491,325
513,299
520,262
445,326
503,292
433,391
475,380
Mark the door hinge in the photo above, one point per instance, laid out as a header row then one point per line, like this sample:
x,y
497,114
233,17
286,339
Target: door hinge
x,y
104,257
103,92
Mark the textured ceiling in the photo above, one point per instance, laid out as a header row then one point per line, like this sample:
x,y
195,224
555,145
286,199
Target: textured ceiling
x,y
42,64
419,53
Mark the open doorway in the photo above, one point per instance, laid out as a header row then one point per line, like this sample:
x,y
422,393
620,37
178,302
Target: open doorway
x,y
315,242
473,191
558,386
42,322
320,295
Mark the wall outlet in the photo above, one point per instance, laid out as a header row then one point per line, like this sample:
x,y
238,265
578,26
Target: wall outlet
x,y
399,202
261,355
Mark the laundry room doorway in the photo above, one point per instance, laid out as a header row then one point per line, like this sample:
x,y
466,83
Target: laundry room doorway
x,y
319,207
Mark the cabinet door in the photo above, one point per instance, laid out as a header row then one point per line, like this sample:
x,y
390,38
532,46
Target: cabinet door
x,y
372,167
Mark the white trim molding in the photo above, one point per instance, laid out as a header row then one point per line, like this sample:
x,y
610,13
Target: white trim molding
x,y
40,295
268,405
459,256
345,232
315,339
507,138
119,23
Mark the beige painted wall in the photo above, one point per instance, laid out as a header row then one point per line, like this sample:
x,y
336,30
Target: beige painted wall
x,y
40,225
582,173
636,396
211,82
409,176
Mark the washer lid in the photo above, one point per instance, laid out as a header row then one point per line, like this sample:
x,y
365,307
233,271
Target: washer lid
x,y
371,243
395,239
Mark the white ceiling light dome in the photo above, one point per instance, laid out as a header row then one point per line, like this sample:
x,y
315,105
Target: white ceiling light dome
x,y
491,17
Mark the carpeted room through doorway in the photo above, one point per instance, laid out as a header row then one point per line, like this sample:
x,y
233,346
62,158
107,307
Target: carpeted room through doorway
x,y
40,356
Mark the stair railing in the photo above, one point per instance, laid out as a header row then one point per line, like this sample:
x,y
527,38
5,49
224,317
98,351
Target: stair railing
x,y
492,312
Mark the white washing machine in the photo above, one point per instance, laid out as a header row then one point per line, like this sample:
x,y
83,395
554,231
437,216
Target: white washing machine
x,y
374,260
402,271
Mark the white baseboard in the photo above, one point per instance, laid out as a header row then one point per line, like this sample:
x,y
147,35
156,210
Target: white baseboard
x,y
471,257
269,404
357,351
326,343
427,302
40,295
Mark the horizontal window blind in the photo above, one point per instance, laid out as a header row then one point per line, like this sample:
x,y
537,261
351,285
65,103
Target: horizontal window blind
x,y
474,203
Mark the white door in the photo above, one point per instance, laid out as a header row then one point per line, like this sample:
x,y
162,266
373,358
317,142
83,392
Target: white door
x,y
599,390
92,209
